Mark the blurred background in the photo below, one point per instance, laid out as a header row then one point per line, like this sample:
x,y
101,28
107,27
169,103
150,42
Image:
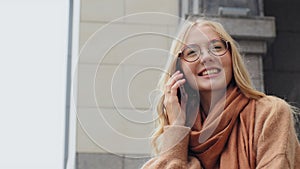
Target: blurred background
x,y
82,74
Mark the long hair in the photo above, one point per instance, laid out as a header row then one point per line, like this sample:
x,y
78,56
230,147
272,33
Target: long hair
x,y
240,77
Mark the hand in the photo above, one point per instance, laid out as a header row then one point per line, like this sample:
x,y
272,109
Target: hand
x,y
175,111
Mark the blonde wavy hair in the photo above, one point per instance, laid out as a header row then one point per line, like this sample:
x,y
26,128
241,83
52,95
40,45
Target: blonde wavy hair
x,y
240,74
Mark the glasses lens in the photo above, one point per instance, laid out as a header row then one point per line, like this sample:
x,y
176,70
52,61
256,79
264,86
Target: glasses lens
x,y
218,47
191,53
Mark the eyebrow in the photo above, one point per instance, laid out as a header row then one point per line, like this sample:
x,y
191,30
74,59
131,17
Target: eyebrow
x,y
219,38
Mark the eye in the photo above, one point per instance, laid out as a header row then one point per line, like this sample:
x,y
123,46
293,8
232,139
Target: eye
x,y
191,51
216,48
217,45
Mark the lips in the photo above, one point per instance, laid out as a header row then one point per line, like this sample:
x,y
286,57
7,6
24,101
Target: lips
x,y
209,71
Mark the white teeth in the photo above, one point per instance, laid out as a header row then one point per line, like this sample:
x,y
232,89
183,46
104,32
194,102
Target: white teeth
x,y
209,72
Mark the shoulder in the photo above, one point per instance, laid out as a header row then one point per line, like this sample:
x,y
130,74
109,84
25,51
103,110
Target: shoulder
x,y
272,113
271,105
269,100
274,133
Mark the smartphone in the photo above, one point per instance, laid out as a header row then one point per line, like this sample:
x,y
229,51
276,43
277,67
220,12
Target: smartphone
x,y
178,67
193,105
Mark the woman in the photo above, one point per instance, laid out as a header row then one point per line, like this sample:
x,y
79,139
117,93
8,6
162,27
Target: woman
x,y
211,117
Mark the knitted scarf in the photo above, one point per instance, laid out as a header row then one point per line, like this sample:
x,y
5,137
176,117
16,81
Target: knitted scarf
x,y
224,139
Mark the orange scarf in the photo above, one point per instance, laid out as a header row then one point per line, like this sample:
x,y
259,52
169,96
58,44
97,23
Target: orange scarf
x,y
224,139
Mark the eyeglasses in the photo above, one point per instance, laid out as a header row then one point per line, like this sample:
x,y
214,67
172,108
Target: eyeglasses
x,y
192,52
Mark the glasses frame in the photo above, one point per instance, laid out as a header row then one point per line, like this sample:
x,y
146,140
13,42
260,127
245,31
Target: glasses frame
x,y
198,55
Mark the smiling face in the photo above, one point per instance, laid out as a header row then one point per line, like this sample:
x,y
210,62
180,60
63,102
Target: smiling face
x,y
209,72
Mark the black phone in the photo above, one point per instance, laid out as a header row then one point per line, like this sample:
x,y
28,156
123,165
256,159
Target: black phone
x,y
193,105
178,67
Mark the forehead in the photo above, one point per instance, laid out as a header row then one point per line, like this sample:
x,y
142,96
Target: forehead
x,y
201,34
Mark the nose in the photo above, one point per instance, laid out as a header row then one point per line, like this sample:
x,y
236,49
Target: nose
x,y
206,56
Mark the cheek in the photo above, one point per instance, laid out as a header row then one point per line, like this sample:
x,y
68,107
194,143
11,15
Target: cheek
x,y
190,74
187,68
227,63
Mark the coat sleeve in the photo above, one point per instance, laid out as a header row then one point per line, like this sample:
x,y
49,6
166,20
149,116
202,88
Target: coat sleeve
x,y
277,145
174,151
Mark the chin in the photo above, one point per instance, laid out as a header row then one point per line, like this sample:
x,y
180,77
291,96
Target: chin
x,y
213,84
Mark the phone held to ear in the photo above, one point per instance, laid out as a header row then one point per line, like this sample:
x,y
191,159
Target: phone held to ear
x,y
178,67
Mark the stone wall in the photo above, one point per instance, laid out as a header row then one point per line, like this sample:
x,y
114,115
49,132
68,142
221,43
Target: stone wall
x,y
124,47
281,64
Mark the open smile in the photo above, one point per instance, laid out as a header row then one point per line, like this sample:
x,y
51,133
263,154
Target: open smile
x,y
209,71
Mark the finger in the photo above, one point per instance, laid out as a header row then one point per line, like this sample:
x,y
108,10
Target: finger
x,y
176,85
174,75
172,81
177,72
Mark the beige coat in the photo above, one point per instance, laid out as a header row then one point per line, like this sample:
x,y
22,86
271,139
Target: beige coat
x,y
275,140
